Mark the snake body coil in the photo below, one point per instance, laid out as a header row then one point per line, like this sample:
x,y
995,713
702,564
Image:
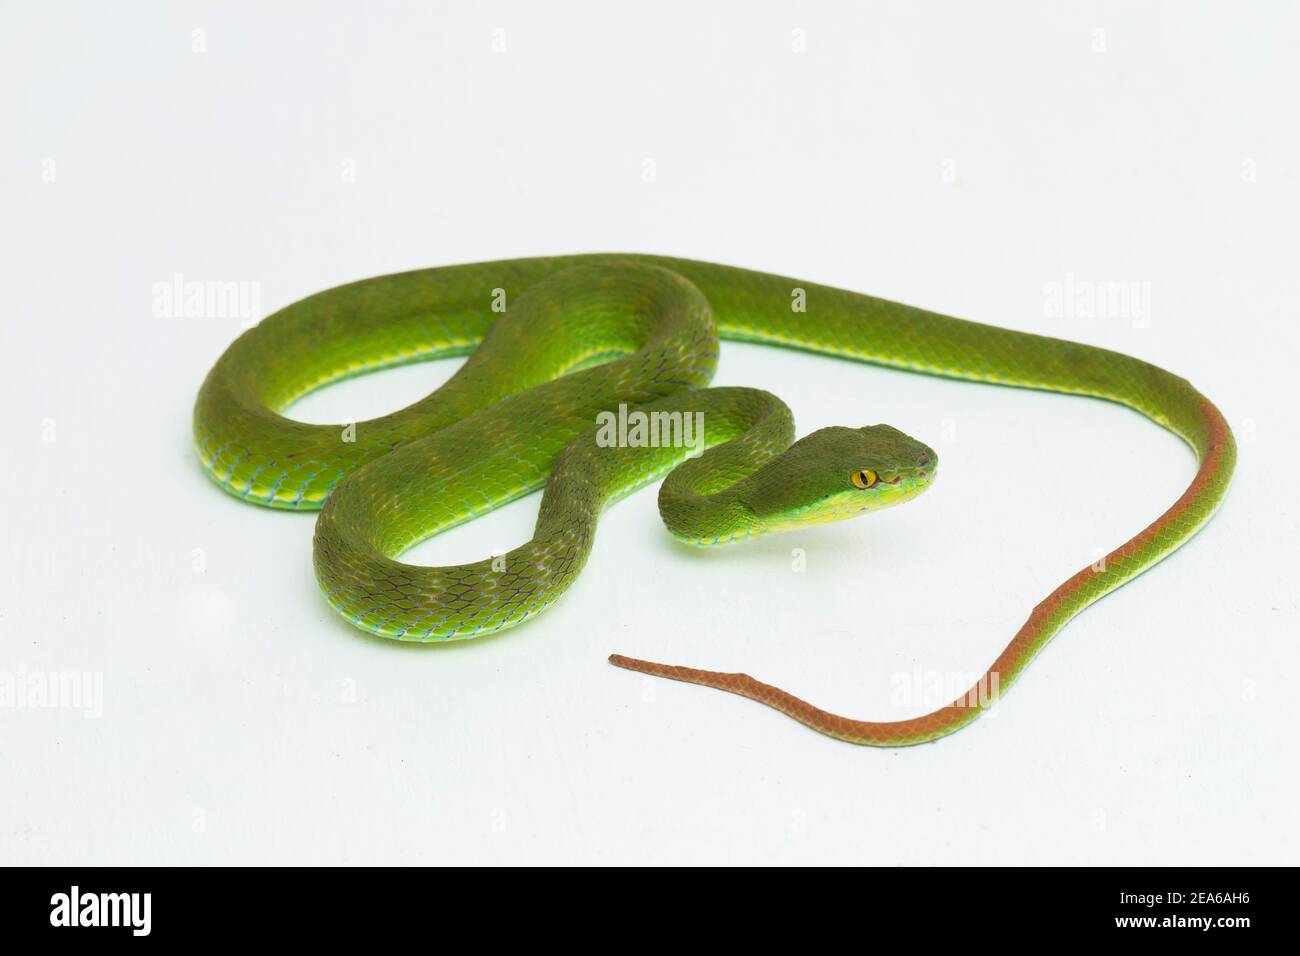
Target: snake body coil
x,y
559,345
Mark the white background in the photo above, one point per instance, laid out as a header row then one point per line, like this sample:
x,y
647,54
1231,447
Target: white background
x,y
957,156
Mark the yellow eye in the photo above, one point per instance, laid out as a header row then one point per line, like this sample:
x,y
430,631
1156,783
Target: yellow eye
x,y
865,479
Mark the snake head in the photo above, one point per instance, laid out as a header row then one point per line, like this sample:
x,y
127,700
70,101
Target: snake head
x,y
837,473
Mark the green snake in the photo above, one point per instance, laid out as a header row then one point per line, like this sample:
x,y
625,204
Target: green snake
x,y
588,375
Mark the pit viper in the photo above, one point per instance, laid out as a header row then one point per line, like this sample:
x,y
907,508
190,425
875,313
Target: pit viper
x,y
563,353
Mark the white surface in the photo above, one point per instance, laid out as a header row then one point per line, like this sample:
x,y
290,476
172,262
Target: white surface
x,y
956,156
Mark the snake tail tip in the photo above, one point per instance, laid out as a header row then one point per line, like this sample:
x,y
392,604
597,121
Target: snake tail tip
x,y
633,664
675,672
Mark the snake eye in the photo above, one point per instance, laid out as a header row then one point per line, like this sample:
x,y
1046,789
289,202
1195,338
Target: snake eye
x,y
865,479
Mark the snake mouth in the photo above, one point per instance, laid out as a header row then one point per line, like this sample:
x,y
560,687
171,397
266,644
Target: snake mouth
x,y
897,479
